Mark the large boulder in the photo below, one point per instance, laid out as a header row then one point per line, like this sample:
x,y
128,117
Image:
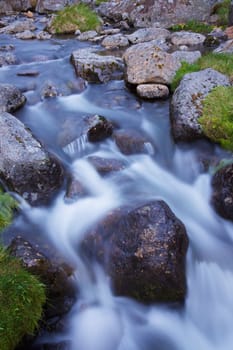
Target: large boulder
x,y
45,6
11,98
18,26
147,63
143,250
186,104
96,68
7,7
146,13
222,196
25,166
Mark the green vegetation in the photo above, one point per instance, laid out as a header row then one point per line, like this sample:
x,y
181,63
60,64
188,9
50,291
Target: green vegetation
x,y
75,17
7,206
193,26
217,116
98,2
221,62
222,10
21,299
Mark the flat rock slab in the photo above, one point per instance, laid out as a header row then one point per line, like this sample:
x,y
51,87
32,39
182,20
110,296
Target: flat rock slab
x,y
186,104
147,63
95,67
25,166
187,38
148,34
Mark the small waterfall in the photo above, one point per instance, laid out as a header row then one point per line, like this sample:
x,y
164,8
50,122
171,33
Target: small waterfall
x,y
76,147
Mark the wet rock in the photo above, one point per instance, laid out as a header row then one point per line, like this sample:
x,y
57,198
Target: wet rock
x,y
147,63
130,141
148,34
222,195
152,12
60,292
187,56
94,67
187,38
226,47
151,91
7,59
186,104
25,166
105,165
11,98
49,89
28,73
115,41
42,35
26,35
99,128
74,190
143,250
87,35
18,27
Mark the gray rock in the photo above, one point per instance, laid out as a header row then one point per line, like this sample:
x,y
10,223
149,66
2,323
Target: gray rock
x,y
11,98
42,35
115,41
187,38
226,47
94,67
7,7
186,104
151,12
90,34
148,34
146,63
187,56
8,58
143,250
26,35
24,165
151,91
18,27
46,6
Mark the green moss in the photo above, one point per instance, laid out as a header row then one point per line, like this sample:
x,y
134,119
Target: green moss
x,y
194,26
73,18
217,116
98,2
218,61
21,299
7,206
222,10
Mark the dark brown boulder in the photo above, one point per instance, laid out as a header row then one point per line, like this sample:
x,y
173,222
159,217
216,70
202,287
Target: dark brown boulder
x,y
130,141
222,196
143,250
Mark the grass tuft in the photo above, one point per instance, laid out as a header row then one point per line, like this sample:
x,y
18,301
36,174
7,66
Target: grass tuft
x,y
217,116
7,207
21,299
75,17
193,26
222,62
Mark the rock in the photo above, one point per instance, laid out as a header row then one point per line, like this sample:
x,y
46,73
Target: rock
x,y
28,73
74,190
222,195
99,128
60,292
215,37
130,141
186,104
95,67
25,166
146,63
148,13
46,6
187,56
42,35
7,7
18,27
90,34
143,250
148,34
105,166
49,89
151,91
7,59
187,38
110,31
229,32
226,47
11,98
26,35
115,41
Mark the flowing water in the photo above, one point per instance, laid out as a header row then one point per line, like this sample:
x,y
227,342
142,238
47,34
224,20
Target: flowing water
x,y
100,320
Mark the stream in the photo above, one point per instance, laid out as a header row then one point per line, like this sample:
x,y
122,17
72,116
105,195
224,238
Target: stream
x,y
166,171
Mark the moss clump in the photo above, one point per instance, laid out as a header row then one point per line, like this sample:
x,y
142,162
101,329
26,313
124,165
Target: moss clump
x,y
98,2
21,299
221,62
222,10
217,116
194,26
74,17
7,206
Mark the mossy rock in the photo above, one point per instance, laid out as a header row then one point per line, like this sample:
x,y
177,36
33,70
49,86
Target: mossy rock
x,y
21,300
217,116
72,18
